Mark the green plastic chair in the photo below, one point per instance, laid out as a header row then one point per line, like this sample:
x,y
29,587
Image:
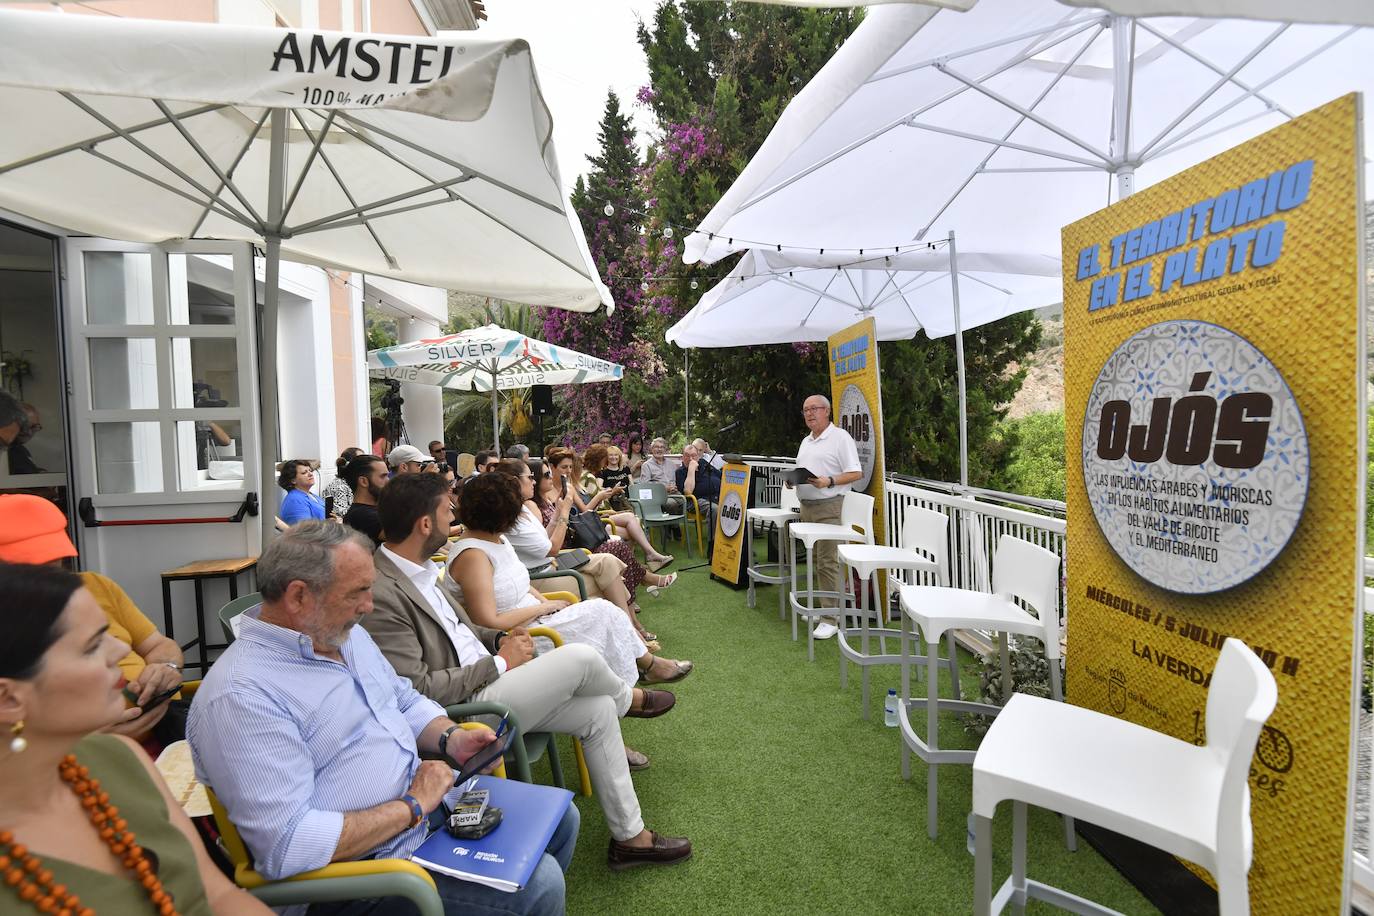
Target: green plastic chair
x,y
647,500
235,608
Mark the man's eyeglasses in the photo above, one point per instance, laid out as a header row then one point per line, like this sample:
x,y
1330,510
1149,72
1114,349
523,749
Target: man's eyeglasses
x,y
812,409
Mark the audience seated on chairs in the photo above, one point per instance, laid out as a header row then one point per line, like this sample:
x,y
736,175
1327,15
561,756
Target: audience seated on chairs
x,y
658,468
429,639
366,475
312,742
493,586
518,450
635,455
34,531
338,496
407,459
534,543
299,504
712,456
557,495
615,474
60,685
589,495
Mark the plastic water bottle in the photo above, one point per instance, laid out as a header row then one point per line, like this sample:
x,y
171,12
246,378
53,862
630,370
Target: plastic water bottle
x,y
890,709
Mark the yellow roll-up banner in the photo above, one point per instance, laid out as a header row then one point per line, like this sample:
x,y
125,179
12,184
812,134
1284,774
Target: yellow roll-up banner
x,y
1214,413
856,397
727,562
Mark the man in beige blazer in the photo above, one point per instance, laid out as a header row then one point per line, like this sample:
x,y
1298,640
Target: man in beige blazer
x,y
429,639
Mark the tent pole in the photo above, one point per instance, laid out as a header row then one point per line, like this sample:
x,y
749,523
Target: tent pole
x,y
495,413
959,355
686,392
270,441
1122,70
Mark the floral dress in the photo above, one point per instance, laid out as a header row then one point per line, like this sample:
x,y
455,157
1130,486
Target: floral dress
x,y
623,550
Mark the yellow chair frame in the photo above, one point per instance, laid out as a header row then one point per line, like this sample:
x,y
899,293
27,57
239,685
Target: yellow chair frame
x,y
357,880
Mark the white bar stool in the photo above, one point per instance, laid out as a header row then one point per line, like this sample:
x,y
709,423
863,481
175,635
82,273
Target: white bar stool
x,y
778,573
856,513
925,549
1020,570
1193,802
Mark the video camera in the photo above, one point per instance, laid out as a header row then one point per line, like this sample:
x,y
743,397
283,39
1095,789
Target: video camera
x,y
206,396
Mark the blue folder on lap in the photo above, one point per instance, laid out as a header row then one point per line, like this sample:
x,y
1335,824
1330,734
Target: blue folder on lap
x,y
505,858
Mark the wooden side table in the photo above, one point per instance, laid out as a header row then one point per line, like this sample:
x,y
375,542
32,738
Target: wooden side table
x,y
197,573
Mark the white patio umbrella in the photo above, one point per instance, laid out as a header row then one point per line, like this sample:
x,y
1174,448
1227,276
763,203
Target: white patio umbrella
x,y
489,358
791,297
425,159
1015,118
781,297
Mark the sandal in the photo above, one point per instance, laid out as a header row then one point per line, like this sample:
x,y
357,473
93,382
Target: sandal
x,y
653,646
656,565
636,760
680,670
647,636
655,589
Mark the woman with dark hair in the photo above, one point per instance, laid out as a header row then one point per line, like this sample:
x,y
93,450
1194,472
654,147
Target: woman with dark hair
x,y
338,489
73,802
591,494
299,504
634,454
537,544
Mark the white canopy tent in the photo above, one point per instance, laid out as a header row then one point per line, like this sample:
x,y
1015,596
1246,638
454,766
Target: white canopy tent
x,y
1008,121
489,358
783,298
423,159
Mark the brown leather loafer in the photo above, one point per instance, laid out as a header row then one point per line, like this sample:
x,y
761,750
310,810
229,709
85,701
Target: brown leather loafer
x,y
666,850
655,704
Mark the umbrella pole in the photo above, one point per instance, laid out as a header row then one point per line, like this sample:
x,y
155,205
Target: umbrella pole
x,y
495,413
959,355
1123,40
270,441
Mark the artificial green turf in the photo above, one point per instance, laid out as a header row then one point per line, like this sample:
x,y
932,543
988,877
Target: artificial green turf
x,y
793,802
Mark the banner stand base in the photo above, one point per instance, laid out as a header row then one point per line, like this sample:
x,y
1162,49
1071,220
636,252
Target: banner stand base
x,y
1159,877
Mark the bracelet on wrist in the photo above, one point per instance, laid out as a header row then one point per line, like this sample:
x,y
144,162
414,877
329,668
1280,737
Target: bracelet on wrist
x,y
417,811
173,665
443,740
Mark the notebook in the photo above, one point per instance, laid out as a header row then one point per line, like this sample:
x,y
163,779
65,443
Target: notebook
x,y
505,858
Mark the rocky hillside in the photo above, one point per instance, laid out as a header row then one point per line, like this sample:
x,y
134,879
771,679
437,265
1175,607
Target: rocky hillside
x,y
1044,387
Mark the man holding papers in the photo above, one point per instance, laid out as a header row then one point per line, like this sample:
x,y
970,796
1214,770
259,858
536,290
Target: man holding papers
x,y
833,459
312,741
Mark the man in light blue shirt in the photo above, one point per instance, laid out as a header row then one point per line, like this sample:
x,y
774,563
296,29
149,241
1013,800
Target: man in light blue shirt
x,y
311,740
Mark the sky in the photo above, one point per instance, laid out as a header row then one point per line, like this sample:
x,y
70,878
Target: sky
x,y
580,51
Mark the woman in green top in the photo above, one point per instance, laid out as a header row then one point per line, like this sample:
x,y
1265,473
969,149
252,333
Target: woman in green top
x,y
59,682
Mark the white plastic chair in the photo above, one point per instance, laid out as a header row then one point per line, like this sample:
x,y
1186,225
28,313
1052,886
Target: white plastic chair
x,y
779,573
1193,802
1020,570
924,549
856,525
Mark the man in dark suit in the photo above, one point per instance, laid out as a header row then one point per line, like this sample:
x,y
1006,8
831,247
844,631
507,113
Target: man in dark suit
x,y
429,639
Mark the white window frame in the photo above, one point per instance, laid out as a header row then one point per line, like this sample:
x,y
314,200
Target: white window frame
x,y
162,331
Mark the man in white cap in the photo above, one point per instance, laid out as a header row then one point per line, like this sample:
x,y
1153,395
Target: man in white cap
x,y
407,459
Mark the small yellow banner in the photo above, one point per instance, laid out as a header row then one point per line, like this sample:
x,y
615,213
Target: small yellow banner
x,y
727,562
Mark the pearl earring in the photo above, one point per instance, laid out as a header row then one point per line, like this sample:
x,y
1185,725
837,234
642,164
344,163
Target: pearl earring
x,y
18,742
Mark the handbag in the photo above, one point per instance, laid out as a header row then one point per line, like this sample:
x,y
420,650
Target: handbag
x,y
573,559
588,530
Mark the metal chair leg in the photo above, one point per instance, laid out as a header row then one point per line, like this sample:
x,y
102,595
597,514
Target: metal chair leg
x,y
932,733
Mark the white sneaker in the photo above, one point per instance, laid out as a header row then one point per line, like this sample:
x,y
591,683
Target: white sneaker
x,y
825,630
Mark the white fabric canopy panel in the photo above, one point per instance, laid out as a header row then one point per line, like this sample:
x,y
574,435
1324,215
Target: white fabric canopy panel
x,y
785,298
1011,120
489,358
1338,12
423,159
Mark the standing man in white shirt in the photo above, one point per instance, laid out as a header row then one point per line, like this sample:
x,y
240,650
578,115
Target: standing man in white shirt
x,y
830,454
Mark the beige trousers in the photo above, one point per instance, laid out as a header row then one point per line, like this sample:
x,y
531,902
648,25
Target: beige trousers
x,y
824,555
601,572
572,691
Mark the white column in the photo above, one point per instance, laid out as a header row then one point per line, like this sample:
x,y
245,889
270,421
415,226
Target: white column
x,y
423,411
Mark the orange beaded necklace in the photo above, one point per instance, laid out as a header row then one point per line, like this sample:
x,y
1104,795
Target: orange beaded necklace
x,y
25,873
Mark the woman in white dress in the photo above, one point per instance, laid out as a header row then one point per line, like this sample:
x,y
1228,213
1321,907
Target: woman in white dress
x,y
493,585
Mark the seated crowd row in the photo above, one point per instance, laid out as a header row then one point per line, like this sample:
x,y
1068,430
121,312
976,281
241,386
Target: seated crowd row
x,y
309,727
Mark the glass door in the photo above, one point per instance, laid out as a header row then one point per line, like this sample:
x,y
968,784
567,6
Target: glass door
x,y
163,379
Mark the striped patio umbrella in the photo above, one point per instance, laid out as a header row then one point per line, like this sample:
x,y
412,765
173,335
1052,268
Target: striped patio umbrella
x,y
489,358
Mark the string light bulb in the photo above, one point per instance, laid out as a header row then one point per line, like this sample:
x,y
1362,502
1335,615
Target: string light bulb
x,y
667,232
642,230
644,285
609,210
694,284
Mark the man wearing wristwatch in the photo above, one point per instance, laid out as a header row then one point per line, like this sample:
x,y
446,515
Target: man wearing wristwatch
x,y
830,454
34,531
312,742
